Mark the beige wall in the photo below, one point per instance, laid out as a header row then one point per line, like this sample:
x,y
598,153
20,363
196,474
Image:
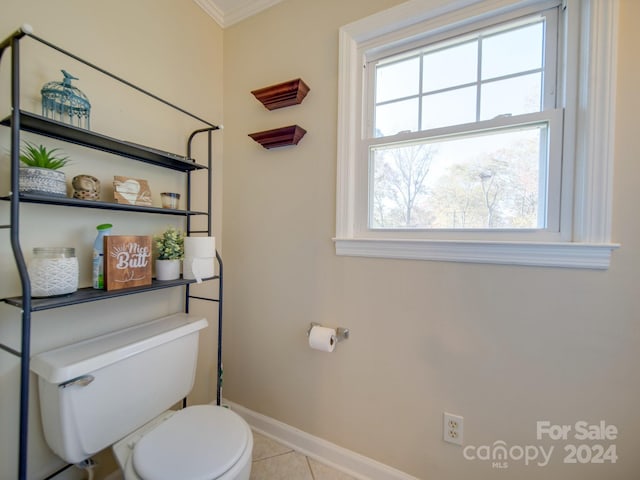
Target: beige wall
x,y
169,47
502,346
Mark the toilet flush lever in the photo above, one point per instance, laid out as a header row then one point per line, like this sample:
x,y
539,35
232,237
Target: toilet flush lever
x,y
82,381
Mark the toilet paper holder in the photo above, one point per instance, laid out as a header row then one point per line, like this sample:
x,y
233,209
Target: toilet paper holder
x,y
341,333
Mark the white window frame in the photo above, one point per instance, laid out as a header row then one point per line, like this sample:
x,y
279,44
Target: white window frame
x,y
589,116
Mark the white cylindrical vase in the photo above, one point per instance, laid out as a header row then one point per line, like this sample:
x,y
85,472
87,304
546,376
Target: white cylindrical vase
x,y
167,269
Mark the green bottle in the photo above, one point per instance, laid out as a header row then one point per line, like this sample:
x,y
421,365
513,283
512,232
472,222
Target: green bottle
x,y
98,255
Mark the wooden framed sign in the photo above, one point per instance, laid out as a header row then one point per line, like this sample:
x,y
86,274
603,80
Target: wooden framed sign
x,y
127,261
131,191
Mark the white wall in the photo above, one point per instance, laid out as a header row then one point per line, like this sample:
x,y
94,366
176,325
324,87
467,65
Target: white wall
x,y
502,346
170,48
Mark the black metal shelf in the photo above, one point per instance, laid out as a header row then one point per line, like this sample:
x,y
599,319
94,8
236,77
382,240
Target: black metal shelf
x,y
21,120
76,202
31,122
89,294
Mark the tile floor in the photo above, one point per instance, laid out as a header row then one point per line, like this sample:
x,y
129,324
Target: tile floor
x,y
274,461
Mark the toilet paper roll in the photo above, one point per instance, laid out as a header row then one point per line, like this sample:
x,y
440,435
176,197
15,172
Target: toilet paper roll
x,y
198,268
199,258
202,247
322,338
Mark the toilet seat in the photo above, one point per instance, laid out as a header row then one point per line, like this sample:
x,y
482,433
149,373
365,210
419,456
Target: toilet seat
x,y
198,443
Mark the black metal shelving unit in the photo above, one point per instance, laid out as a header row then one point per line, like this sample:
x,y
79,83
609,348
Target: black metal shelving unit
x,y
21,120
31,122
76,202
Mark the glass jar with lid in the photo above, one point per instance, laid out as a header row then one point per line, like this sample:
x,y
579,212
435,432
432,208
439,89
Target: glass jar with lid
x,y
53,271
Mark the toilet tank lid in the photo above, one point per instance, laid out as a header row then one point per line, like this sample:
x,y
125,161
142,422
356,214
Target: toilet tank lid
x,y
72,361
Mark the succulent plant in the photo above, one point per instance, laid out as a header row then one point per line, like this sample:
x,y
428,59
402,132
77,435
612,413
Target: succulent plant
x,y
42,157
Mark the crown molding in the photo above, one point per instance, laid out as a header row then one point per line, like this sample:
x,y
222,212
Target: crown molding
x,y
212,10
227,17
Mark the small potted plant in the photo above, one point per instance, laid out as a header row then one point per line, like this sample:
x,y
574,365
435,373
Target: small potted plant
x,y
170,251
39,172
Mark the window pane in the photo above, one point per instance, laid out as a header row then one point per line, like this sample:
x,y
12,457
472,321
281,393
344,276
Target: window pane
x,y
397,80
513,96
449,108
399,185
450,67
487,181
392,118
513,51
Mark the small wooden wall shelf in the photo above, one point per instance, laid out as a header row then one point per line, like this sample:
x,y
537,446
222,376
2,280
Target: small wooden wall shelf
x,y
283,94
279,137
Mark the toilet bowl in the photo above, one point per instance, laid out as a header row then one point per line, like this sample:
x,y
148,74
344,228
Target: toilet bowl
x,y
203,442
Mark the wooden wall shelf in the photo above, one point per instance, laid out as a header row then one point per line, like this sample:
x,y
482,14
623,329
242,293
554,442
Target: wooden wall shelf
x,y
283,94
279,137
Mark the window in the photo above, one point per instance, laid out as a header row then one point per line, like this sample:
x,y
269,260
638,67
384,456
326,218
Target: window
x,y
463,129
483,174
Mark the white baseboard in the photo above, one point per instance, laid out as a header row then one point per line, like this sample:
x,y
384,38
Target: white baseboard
x,y
351,463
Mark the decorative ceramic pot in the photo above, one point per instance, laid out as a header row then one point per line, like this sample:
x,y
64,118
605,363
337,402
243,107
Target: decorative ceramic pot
x,y
167,269
86,187
42,180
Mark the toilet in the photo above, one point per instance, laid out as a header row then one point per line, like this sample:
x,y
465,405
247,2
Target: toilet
x,y
118,390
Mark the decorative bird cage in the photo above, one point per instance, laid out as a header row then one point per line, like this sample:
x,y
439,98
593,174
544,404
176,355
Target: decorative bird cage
x,y
66,103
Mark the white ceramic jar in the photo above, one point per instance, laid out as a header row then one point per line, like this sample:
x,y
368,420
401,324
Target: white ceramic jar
x,y
53,271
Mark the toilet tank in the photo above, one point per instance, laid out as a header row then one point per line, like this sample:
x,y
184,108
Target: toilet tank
x,y
94,392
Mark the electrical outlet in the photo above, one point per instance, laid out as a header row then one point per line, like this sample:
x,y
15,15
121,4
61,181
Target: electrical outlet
x,y
452,428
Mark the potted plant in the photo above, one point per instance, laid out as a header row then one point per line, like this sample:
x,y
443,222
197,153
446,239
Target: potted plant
x,y
170,251
39,172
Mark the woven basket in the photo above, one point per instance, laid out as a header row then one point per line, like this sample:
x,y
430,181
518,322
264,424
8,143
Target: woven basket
x,y
43,181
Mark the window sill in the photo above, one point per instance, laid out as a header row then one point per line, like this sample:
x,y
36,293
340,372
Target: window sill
x,y
568,255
